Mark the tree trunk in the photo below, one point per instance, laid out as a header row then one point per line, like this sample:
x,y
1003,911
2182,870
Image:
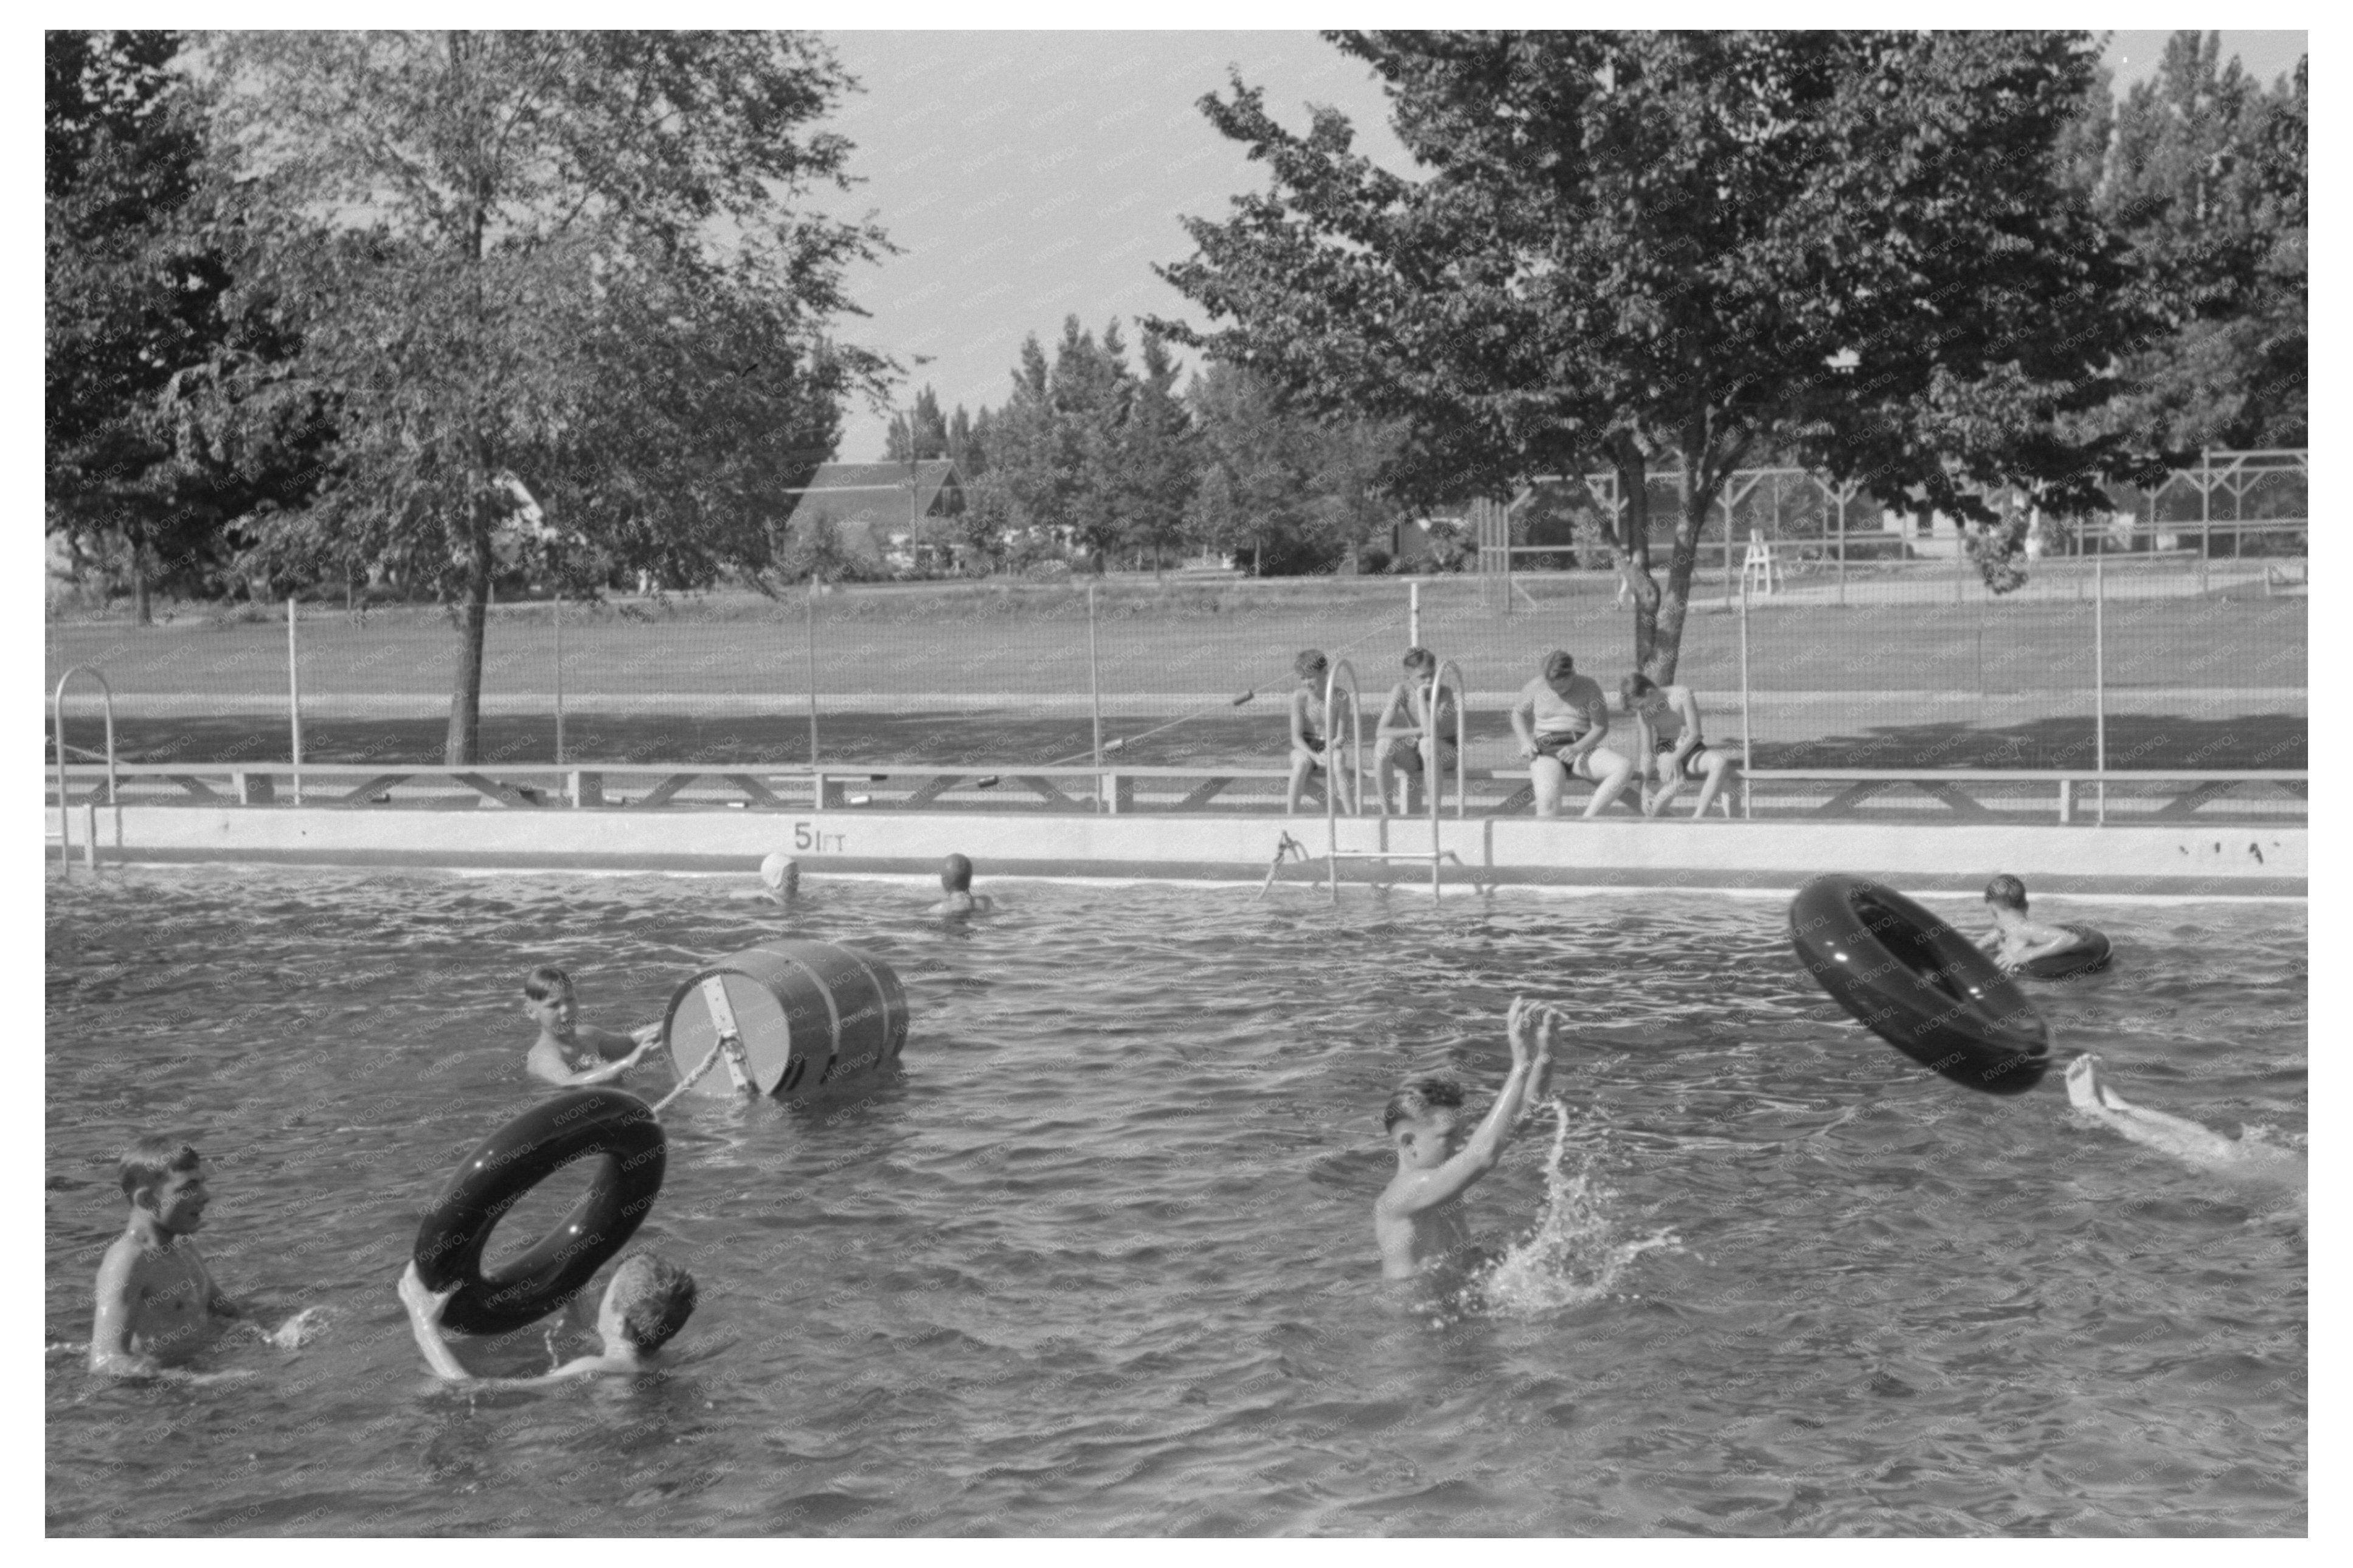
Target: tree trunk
x,y
1633,485
142,614
464,745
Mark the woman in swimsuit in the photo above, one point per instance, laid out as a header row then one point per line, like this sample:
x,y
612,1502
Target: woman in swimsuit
x,y
1310,751
1668,739
1561,718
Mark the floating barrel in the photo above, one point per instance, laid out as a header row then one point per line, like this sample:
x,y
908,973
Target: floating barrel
x,y
1919,984
810,1015
2090,955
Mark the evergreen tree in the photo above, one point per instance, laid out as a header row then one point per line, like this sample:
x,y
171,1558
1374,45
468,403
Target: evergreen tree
x,y
2206,176
1157,462
931,432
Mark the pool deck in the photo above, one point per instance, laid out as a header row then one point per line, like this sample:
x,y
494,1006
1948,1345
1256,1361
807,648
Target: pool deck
x,y
2185,859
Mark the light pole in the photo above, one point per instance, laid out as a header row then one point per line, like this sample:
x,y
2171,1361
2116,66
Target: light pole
x,y
914,460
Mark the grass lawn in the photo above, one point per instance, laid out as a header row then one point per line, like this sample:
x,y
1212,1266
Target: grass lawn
x,y
2219,677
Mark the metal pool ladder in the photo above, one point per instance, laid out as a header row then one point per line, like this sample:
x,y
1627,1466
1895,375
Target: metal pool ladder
x,y
113,785
1332,853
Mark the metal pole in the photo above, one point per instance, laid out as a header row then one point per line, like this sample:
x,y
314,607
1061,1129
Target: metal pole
x,y
559,680
1413,615
294,692
2100,674
809,616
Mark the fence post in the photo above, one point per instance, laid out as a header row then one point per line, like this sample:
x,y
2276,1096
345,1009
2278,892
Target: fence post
x,y
1413,615
1842,546
1094,690
808,616
559,680
294,692
2100,674
1748,748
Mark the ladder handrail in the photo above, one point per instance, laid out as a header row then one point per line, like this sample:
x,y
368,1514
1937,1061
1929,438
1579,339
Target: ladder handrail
x,y
1331,771
57,734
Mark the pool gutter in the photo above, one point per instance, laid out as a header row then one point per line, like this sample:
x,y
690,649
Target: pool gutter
x,y
2181,860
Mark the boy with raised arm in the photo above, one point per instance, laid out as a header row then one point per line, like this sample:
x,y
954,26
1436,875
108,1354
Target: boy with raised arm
x,y
648,1302
571,1053
1419,1219
2015,939
155,1299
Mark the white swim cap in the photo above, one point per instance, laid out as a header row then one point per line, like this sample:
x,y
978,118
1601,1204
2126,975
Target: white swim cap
x,y
779,871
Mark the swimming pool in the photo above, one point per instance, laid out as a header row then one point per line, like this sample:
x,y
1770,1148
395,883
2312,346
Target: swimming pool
x,y
1102,1263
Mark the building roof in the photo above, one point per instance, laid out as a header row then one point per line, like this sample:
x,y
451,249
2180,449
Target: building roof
x,y
877,492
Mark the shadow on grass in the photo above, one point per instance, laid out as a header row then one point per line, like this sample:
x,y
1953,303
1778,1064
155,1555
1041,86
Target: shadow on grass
x,y
2134,740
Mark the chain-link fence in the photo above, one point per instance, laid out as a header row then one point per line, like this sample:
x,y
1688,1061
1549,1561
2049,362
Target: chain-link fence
x,y
2151,639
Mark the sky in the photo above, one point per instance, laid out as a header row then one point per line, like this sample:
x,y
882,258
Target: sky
x,y
1030,176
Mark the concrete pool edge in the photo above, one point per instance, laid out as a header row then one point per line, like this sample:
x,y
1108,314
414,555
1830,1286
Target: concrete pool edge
x,y
2189,860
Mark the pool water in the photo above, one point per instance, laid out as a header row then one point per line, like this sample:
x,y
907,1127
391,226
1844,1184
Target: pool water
x,y
1102,1263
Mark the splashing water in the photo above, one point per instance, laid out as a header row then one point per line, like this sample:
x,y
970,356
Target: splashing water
x,y
1574,1255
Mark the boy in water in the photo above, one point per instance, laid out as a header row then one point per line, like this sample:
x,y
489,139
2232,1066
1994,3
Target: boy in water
x,y
1314,742
1419,1219
955,881
780,877
648,1302
2015,939
155,1299
567,1051
1399,742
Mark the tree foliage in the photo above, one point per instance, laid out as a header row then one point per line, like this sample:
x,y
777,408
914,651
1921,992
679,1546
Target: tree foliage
x,y
1631,247
572,260
2205,173
133,298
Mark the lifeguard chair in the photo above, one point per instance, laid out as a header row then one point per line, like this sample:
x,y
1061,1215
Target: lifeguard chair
x,y
1759,565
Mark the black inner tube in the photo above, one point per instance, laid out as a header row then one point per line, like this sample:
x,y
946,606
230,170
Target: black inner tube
x,y
616,1131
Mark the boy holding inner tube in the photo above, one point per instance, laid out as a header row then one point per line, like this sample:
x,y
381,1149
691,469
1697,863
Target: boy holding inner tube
x,y
2015,939
1419,1219
567,1051
646,1303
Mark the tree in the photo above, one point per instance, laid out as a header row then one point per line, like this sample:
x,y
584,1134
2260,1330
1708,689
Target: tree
x,y
129,303
570,258
1157,464
930,438
2206,176
1633,246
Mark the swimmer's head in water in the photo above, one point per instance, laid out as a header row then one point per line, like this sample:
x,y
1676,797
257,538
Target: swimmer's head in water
x,y
648,1300
780,872
149,1163
1420,660
1558,665
545,982
2008,892
956,875
1310,663
1417,1097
